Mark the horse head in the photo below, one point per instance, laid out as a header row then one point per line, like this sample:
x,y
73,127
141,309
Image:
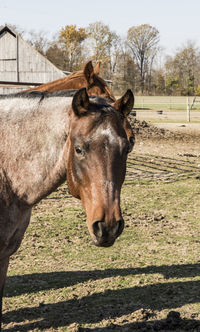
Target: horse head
x,y
96,154
95,85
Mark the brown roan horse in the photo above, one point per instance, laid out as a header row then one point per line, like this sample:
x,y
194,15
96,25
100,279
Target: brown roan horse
x,y
46,138
95,86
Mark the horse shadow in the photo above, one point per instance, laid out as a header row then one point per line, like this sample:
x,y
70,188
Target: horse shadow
x,y
173,322
110,304
54,280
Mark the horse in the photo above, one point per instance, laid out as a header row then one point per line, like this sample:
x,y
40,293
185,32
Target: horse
x,y
87,78
94,84
47,138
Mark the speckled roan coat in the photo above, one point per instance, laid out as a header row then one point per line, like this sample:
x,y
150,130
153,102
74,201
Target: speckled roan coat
x,y
45,138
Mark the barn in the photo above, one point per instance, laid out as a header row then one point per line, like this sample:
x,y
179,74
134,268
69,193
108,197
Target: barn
x,y
21,66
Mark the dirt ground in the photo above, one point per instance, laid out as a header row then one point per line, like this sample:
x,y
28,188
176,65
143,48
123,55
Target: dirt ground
x,y
192,129
167,138
170,116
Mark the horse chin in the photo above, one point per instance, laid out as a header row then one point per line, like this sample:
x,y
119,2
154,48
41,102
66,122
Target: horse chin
x,y
102,243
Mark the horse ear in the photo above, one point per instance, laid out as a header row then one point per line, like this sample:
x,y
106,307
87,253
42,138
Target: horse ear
x,y
80,102
89,72
97,68
125,104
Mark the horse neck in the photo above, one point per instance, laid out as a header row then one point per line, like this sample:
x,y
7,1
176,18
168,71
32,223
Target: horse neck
x,y
33,136
73,81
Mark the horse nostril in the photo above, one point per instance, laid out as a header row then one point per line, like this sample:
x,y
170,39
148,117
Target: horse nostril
x,y
118,228
98,228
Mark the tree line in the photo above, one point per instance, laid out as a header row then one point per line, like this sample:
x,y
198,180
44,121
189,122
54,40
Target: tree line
x,y
130,62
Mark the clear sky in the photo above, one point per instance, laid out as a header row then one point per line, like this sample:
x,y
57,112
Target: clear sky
x,y
177,20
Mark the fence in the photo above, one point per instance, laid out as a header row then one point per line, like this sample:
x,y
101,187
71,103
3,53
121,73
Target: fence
x,y
167,102
7,87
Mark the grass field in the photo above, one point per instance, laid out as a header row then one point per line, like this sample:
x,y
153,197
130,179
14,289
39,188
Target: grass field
x,y
148,281
166,102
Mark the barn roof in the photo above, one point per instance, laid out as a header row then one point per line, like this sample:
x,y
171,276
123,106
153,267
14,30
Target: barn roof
x,y
7,28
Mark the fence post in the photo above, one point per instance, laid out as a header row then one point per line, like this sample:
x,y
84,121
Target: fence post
x,y
188,110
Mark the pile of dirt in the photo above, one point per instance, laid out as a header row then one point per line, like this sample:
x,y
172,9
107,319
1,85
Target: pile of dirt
x,y
144,130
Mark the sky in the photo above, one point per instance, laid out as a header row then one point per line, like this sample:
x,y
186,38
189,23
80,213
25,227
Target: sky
x,y
178,21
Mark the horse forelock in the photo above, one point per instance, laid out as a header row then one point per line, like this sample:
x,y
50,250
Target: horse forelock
x,y
103,106
100,115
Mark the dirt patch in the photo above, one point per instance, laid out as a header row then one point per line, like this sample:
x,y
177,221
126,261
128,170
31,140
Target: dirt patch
x,y
190,129
146,130
153,167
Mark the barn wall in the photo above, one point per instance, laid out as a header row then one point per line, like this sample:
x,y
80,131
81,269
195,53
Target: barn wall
x,y
34,67
8,57
21,62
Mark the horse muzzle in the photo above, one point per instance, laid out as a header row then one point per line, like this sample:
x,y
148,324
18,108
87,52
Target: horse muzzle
x,y
105,235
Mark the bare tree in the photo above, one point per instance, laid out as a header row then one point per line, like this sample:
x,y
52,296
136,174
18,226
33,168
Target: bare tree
x,y
183,70
125,75
104,46
39,40
57,56
71,39
143,42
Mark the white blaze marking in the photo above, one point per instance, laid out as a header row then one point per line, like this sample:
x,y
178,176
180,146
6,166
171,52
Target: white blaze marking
x,y
107,132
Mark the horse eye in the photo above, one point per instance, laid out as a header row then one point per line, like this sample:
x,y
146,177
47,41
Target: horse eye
x,y
78,150
131,144
132,140
129,149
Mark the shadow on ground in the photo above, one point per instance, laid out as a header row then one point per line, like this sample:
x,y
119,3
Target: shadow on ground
x,y
139,302
43,281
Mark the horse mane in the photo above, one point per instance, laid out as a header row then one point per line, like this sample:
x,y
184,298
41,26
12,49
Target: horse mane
x,y
36,94
39,94
77,74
